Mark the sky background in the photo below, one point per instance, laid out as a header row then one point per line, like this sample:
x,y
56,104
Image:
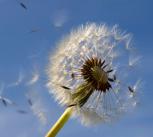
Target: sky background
x,y
26,39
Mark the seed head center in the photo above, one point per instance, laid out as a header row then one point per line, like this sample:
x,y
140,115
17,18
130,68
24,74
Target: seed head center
x,y
94,74
99,74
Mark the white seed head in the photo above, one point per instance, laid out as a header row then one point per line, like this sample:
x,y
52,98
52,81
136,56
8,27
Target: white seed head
x,y
87,71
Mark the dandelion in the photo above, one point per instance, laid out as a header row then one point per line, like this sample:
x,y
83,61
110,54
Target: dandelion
x,y
89,75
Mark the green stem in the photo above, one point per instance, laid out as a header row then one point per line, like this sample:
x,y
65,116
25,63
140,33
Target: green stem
x,y
60,123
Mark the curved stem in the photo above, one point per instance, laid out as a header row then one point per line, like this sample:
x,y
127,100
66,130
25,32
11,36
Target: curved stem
x,y
60,123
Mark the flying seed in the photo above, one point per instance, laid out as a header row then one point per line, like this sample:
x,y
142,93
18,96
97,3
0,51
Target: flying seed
x,y
130,89
30,102
23,5
22,111
4,102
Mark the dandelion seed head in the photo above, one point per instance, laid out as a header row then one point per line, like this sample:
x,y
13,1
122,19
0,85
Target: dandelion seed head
x,y
92,63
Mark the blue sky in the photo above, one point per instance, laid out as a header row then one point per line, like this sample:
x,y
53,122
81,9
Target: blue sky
x,y
24,56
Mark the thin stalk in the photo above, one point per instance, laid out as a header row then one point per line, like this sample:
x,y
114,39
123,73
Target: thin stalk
x,y
60,123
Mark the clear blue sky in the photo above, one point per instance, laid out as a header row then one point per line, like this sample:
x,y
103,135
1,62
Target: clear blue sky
x,y
24,56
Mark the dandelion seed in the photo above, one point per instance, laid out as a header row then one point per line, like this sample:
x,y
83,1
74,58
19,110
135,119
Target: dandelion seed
x,y
34,79
134,60
30,102
134,89
130,89
6,101
23,5
39,111
37,106
22,111
19,80
34,30
91,53
59,18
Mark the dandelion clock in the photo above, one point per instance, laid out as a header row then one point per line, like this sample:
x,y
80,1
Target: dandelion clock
x,y
91,75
